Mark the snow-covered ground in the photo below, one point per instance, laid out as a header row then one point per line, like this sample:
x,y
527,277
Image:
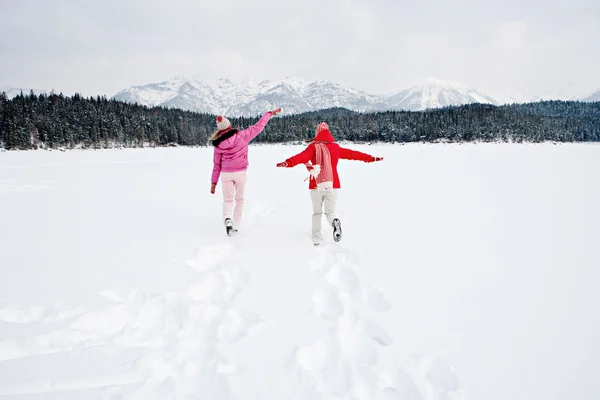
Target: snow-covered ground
x,y
465,272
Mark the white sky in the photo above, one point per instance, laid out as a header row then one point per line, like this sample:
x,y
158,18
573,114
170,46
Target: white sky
x,y
541,47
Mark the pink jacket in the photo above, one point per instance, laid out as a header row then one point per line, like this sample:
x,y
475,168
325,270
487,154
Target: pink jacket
x,y
232,154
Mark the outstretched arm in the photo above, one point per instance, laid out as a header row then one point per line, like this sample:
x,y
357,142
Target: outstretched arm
x,y
252,131
348,154
301,158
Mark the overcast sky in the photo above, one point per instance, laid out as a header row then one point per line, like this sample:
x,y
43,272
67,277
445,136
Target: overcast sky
x,y
542,47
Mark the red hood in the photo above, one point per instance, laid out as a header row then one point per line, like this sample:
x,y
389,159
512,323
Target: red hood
x,y
324,136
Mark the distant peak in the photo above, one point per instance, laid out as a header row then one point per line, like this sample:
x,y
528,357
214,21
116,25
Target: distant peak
x,y
180,78
432,81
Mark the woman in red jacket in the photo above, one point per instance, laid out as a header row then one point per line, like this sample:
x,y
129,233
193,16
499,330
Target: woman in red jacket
x,y
323,154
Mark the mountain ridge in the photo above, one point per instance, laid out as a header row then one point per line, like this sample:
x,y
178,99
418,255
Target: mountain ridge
x,y
297,96
294,95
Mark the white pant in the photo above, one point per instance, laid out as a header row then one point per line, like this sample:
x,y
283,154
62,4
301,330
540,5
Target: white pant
x,y
323,202
234,184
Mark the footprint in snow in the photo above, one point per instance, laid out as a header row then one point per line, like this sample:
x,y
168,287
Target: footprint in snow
x,y
208,258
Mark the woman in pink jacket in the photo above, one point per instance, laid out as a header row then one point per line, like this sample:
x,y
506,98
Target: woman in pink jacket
x,y
230,161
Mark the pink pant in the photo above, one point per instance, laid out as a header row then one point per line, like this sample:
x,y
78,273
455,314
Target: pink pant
x,y
233,184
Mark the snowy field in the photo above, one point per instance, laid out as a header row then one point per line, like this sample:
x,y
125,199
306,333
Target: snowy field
x,y
465,272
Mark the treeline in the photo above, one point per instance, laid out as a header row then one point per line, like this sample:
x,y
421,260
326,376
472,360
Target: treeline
x,y
56,121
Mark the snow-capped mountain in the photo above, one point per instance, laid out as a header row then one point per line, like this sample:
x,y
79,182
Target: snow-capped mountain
x,y
513,96
222,96
293,95
593,97
249,99
435,94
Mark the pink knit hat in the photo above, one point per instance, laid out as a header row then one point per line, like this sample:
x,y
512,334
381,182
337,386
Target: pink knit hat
x,y
320,127
222,123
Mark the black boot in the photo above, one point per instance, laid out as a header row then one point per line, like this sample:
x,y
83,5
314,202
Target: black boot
x,y
337,230
229,226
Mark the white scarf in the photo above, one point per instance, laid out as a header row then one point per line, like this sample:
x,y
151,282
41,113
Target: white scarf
x,y
325,177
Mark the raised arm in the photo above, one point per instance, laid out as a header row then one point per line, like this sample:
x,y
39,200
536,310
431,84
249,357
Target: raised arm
x,y
252,131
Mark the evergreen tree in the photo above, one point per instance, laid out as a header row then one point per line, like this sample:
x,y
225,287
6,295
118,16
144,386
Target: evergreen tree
x,y
53,121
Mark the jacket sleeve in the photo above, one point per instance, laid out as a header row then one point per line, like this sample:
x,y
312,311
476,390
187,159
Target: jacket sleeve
x,y
216,167
348,154
303,157
252,131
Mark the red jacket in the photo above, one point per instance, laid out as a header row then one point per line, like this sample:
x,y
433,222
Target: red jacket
x,y
336,152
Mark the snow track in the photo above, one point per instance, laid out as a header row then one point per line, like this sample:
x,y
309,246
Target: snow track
x,y
174,340
118,281
346,362
183,345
